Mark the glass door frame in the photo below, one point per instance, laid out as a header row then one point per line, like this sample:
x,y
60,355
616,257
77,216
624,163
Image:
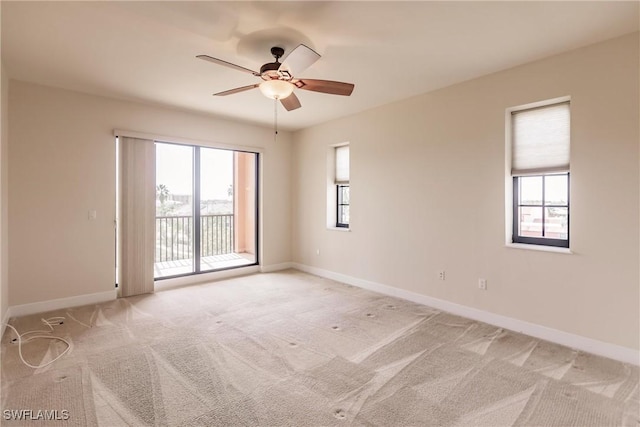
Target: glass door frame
x,y
197,215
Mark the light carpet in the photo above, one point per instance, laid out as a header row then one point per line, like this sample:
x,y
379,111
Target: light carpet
x,y
293,349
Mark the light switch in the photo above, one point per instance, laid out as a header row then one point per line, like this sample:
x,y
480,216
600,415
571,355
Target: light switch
x,y
93,214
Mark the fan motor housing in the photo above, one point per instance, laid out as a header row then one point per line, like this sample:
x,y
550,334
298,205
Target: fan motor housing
x,y
269,71
271,66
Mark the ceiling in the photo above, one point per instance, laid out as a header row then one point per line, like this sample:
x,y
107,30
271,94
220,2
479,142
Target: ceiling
x,y
145,51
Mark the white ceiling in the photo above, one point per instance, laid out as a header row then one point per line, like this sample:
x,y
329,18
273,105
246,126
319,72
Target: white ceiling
x,y
145,51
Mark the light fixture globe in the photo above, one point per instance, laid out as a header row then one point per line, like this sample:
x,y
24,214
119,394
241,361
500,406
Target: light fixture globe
x,y
276,89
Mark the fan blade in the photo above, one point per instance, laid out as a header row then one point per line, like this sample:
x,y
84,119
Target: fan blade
x,y
227,64
325,86
291,102
236,90
299,59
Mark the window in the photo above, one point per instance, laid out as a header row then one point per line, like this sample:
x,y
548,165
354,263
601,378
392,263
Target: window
x,y
542,210
540,169
342,186
343,206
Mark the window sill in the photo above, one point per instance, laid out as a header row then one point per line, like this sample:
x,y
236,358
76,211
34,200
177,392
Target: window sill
x,y
539,248
343,229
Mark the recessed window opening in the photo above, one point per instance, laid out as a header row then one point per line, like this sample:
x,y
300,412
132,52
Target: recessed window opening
x,y
342,186
540,170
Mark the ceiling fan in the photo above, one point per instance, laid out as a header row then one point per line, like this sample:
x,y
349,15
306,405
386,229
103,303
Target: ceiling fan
x,y
278,77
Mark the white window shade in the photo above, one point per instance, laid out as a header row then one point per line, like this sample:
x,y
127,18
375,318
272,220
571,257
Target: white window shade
x,y
540,140
342,164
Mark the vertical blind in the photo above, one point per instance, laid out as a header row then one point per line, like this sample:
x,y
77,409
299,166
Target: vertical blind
x,y
342,164
137,218
540,140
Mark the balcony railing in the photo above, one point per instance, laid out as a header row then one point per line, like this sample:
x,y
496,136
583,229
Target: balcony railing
x,y
174,236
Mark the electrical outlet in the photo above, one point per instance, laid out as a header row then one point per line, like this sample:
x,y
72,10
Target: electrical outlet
x,y
482,284
441,275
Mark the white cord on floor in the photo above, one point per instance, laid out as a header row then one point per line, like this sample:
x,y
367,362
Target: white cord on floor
x,y
50,322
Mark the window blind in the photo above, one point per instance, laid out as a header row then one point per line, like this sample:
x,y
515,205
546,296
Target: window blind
x,y
137,218
342,164
540,140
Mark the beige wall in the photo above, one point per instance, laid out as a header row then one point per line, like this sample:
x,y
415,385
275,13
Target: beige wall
x,y
63,165
4,185
428,194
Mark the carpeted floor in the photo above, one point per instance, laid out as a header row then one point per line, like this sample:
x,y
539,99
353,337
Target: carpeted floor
x,y
293,349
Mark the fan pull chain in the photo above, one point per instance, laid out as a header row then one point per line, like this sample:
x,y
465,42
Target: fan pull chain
x,y
275,119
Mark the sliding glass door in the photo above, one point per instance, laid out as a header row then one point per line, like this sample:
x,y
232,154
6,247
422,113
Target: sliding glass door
x,y
206,215
174,210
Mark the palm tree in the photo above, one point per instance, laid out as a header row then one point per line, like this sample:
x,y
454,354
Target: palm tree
x,y
162,192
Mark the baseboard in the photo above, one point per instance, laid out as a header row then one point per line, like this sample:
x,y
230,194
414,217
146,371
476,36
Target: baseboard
x,y
197,279
56,304
276,267
578,342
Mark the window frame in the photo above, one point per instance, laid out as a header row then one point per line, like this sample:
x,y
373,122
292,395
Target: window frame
x,y
340,204
512,176
540,241
196,215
